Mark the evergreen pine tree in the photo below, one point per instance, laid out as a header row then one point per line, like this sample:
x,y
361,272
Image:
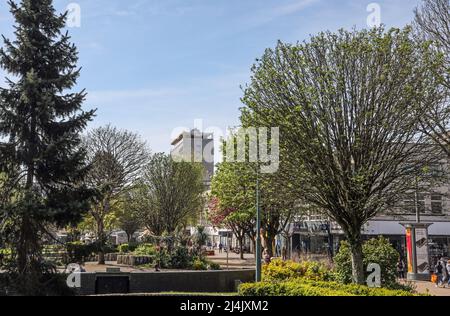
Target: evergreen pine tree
x,y
40,127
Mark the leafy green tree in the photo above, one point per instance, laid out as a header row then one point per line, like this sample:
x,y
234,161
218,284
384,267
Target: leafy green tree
x,y
200,237
127,215
241,223
349,106
40,128
110,223
234,184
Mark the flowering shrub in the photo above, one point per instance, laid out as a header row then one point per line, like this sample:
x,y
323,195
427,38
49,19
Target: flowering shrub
x,y
303,287
287,278
279,270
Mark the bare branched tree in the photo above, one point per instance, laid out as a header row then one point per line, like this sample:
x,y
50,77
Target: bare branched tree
x,y
117,158
173,192
348,105
432,23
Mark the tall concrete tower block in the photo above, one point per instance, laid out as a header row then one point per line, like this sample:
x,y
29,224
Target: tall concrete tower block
x,y
195,146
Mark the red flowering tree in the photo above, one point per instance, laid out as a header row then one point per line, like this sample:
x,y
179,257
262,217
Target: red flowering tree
x,y
239,222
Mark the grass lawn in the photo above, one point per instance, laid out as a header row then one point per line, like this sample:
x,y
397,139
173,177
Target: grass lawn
x,y
176,294
197,294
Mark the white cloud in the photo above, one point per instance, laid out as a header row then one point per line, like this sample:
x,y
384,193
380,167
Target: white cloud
x,y
291,8
198,88
132,97
124,9
155,112
268,15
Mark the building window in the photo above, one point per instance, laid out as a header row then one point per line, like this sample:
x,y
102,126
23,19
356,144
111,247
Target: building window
x,y
409,203
436,204
436,170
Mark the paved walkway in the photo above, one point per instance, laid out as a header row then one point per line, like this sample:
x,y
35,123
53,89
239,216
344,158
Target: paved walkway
x,y
234,261
430,288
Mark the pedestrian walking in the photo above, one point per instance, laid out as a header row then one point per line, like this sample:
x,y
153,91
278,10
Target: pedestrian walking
x,y
401,269
278,250
220,248
284,253
445,274
448,273
266,257
438,272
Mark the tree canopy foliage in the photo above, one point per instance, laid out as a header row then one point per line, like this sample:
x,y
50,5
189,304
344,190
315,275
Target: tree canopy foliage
x,y
40,126
172,192
432,24
234,188
117,158
349,107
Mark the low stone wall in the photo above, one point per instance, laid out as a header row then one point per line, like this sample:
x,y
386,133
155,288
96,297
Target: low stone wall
x,y
155,282
108,257
131,260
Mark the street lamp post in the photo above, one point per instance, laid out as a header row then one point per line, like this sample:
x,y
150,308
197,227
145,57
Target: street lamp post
x,y
258,216
228,250
417,244
416,197
258,231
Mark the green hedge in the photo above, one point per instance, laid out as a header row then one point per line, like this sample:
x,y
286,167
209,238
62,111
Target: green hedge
x,y
378,251
126,248
145,250
304,287
78,251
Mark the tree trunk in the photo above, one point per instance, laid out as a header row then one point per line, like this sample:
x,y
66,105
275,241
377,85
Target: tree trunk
x,y
288,246
26,234
101,242
241,246
158,260
357,262
270,242
101,232
22,249
101,257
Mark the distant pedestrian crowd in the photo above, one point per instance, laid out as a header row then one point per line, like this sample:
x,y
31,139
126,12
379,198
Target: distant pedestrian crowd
x,y
442,273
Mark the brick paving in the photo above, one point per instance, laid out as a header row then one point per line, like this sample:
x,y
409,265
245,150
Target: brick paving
x,y
430,288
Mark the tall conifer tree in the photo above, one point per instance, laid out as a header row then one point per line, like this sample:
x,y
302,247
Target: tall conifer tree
x,y
40,126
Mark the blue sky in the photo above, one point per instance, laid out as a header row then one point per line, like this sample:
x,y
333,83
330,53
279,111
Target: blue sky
x,y
151,66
